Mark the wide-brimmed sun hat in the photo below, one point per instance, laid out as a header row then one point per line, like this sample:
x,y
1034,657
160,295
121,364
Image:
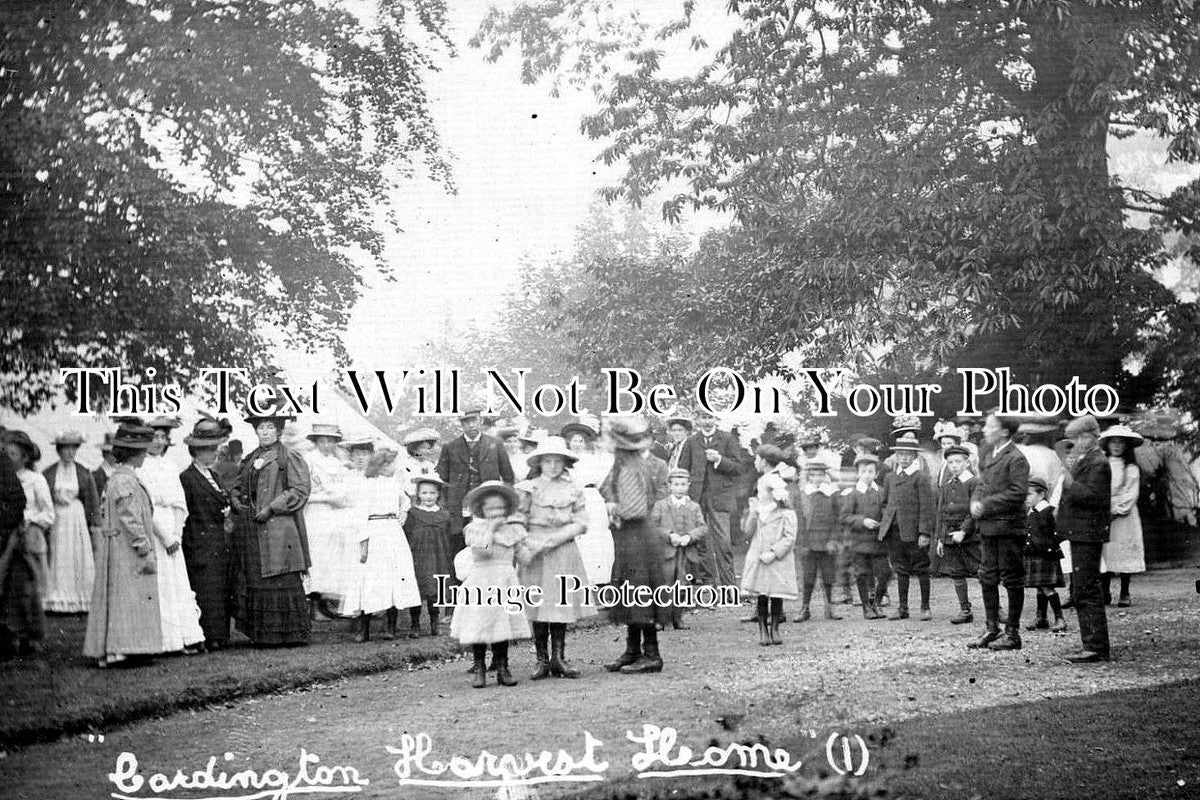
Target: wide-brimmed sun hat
x,y
475,497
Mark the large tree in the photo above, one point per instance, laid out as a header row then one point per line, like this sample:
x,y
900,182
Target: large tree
x,y
916,185
184,181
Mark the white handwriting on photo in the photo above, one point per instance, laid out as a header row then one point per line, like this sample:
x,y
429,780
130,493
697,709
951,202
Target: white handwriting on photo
x,y
662,755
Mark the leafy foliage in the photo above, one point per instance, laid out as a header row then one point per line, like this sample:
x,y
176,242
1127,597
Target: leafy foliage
x,y
183,182
916,184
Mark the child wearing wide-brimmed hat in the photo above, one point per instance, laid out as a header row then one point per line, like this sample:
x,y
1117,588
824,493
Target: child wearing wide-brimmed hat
x,y
493,535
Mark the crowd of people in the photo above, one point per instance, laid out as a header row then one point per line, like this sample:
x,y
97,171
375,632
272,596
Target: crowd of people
x,y
164,561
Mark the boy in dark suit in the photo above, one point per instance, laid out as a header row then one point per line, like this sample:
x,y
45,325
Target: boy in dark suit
x,y
957,541
680,522
817,536
907,524
712,457
861,510
998,506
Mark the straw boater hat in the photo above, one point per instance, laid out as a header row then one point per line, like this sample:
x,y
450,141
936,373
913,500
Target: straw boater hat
x,y
68,438
631,433
956,450
363,442
206,433
133,437
586,424
551,446
679,473
683,418
815,465
420,435
476,495
325,429
1036,425
430,478
164,422
471,413
1132,437
907,441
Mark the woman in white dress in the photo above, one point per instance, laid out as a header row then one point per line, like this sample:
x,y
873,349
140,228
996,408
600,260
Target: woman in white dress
x,y
589,471
76,512
180,613
1124,552
325,515
380,575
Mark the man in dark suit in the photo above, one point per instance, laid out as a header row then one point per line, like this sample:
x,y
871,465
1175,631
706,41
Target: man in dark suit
x,y
998,508
908,523
465,463
100,474
712,458
1084,513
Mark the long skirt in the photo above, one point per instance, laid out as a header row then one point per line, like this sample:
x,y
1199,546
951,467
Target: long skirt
x,y
596,544
386,579
210,582
1124,552
553,571
638,562
20,601
487,624
269,610
180,621
326,530
69,583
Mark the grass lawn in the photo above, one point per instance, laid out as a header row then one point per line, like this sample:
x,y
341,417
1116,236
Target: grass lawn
x,y
61,692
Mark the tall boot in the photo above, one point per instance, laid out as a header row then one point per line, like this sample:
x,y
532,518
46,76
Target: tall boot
x,y
633,649
901,598
500,656
764,622
650,661
1012,628
559,666
1060,624
414,622
864,595
363,634
923,584
433,619
390,633
478,668
776,618
1040,623
806,598
541,643
964,603
991,611
829,603
1123,601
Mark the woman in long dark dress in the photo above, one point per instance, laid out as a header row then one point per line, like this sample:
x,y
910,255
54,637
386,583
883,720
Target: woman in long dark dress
x,y
206,531
270,548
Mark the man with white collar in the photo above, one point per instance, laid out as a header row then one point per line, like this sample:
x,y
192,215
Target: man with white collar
x,y
998,506
908,523
711,456
957,540
465,463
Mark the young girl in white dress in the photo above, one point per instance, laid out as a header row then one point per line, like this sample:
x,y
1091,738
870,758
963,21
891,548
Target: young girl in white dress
x,y
382,578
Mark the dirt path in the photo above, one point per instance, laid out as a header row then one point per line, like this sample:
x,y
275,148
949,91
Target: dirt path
x,y
828,677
